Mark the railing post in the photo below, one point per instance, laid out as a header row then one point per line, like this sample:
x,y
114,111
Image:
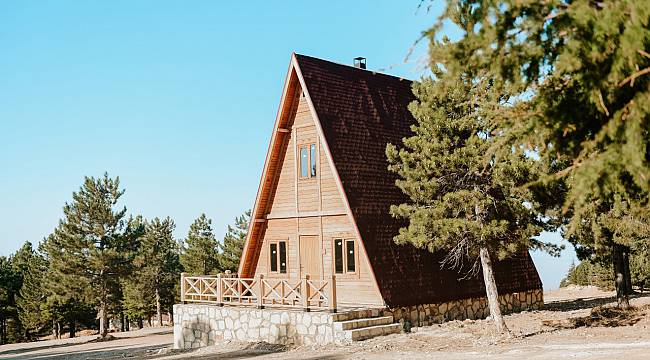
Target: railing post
x,y
219,289
332,294
260,292
183,287
305,293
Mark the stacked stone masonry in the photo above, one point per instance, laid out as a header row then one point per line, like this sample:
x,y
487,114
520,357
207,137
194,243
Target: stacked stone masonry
x,y
199,325
474,308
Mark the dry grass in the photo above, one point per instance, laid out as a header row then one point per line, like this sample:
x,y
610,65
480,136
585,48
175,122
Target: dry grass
x,y
603,316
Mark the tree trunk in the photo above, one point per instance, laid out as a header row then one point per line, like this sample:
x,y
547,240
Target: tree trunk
x,y
103,320
149,320
122,324
140,323
127,324
491,291
73,329
620,281
171,315
158,309
626,268
3,331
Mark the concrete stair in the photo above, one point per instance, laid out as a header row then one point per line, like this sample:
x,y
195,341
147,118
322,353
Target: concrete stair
x,y
363,324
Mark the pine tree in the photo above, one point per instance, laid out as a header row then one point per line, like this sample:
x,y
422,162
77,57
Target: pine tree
x,y
579,74
158,263
200,254
463,202
32,295
640,265
8,285
92,248
233,243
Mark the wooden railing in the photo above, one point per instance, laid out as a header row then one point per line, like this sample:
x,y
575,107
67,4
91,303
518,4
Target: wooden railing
x,y
260,291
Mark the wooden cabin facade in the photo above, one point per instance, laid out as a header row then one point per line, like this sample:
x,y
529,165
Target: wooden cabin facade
x,y
322,204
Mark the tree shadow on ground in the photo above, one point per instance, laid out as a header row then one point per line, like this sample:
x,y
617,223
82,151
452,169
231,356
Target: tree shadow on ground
x,y
116,352
585,303
29,349
37,348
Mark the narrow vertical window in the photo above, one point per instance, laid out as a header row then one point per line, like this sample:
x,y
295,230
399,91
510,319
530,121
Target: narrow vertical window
x,y
312,159
349,247
274,257
283,257
304,162
338,256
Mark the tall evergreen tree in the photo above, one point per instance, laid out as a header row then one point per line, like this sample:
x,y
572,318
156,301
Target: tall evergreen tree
x,y
201,250
92,248
463,202
12,274
8,285
66,303
233,243
158,263
32,296
580,73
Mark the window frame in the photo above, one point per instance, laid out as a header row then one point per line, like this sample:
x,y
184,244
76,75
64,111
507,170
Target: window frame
x,y
278,259
344,259
311,172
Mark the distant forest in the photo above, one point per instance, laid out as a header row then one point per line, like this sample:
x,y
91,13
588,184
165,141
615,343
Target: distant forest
x,y
101,265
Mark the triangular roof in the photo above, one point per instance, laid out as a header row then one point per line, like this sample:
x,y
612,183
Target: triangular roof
x,y
358,112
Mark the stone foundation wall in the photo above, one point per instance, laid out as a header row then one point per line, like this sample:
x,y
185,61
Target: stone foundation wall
x,y
198,325
473,308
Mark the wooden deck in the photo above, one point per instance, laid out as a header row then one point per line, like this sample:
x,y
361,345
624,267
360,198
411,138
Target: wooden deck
x,y
305,293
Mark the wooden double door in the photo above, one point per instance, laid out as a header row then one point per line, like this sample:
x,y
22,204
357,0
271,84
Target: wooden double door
x,y
310,256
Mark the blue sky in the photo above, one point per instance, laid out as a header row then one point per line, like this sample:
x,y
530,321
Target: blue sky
x,y
177,98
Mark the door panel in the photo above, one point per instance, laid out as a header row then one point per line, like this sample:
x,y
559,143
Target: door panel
x,y
310,256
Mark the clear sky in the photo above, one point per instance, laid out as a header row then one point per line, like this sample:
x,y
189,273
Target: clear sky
x,y
177,98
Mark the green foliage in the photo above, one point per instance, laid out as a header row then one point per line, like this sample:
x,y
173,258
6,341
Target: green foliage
x,y
640,265
588,273
578,74
138,302
93,247
32,295
200,254
157,270
233,243
461,199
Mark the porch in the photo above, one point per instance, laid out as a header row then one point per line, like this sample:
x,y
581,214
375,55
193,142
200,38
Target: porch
x,y
275,310
227,289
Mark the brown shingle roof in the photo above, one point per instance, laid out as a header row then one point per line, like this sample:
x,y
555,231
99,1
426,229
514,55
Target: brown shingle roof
x,y
360,111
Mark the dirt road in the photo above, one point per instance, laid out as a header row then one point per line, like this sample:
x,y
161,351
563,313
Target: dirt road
x,y
565,329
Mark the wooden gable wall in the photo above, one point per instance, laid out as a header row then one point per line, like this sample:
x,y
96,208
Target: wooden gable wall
x,y
311,207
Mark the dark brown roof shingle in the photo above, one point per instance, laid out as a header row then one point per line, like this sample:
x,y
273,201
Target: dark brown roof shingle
x,y
361,111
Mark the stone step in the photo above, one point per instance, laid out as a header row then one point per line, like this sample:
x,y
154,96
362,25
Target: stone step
x,y
362,323
372,331
356,314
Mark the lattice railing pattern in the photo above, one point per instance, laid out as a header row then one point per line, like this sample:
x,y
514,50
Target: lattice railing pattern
x,y
305,293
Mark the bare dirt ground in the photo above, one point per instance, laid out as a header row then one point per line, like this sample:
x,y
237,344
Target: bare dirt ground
x,y
577,323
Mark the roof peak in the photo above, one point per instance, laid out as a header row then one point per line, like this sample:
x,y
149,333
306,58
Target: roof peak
x,y
373,72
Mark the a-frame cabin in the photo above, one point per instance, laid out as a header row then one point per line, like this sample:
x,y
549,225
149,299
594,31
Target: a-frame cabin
x,y
323,200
